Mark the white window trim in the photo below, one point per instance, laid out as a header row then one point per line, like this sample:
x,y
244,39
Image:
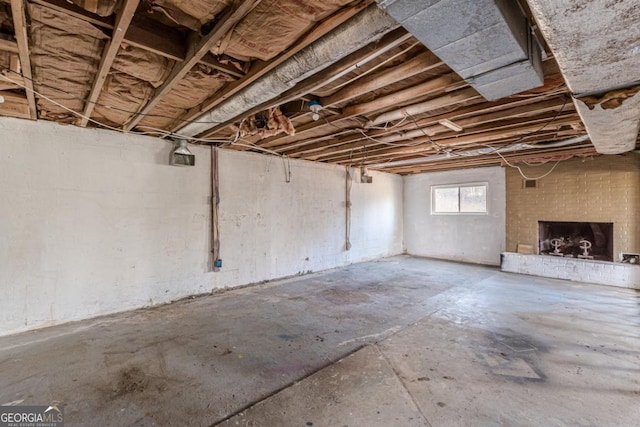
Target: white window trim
x,y
464,184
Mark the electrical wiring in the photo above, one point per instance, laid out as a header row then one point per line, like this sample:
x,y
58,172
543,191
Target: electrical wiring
x,y
402,52
385,127
392,144
366,156
439,147
237,137
2,76
257,148
533,165
413,119
330,123
367,136
162,132
181,136
156,130
286,166
238,141
79,98
523,137
561,88
286,161
522,173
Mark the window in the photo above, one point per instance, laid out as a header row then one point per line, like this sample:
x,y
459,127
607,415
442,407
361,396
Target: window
x,y
459,199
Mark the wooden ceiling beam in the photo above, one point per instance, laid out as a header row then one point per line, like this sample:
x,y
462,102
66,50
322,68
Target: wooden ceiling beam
x,y
17,81
260,68
470,116
22,39
455,155
482,108
7,45
77,12
435,151
210,60
375,152
15,105
379,157
491,160
504,108
341,68
471,126
197,50
423,89
372,160
123,19
460,95
401,97
301,148
143,32
426,61
479,138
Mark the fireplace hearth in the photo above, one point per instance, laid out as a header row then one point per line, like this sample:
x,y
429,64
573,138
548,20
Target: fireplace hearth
x,y
588,240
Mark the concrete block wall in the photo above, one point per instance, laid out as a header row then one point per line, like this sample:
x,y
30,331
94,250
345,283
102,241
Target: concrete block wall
x,y
95,222
600,189
469,238
574,269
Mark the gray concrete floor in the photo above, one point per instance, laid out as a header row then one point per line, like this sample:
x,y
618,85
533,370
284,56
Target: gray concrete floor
x,y
398,342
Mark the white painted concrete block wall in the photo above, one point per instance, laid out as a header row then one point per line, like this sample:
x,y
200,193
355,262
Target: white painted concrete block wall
x,y
470,238
272,228
94,222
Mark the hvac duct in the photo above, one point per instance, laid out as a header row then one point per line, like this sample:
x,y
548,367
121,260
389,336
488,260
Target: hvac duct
x,y
487,42
364,28
481,151
597,46
181,156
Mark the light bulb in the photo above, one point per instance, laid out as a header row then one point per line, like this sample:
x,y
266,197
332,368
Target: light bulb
x,y
1,99
315,108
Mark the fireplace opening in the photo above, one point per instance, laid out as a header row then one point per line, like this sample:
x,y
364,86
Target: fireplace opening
x,y
588,240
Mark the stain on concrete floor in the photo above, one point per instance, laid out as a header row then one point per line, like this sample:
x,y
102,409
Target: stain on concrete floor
x,y
437,343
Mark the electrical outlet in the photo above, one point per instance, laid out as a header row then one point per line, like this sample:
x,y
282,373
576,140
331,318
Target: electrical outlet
x,y
628,258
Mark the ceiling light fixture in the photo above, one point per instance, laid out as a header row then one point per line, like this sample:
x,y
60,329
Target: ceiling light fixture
x,y
315,107
453,126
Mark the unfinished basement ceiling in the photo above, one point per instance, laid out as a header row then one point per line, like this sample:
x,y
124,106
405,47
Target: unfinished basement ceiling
x,y
242,75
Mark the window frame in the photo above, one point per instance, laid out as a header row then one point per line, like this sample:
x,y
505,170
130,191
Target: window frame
x,y
458,186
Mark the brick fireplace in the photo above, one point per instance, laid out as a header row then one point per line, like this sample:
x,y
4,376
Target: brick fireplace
x,y
605,190
583,199
587,240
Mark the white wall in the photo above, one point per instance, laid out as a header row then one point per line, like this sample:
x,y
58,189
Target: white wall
x,y
470,238
270,228
95,222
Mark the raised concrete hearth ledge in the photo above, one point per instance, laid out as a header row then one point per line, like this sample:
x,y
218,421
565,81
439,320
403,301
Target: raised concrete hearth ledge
x,y
574,269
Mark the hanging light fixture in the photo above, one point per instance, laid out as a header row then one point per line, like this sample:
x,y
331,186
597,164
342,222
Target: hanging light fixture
x,y
315,107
